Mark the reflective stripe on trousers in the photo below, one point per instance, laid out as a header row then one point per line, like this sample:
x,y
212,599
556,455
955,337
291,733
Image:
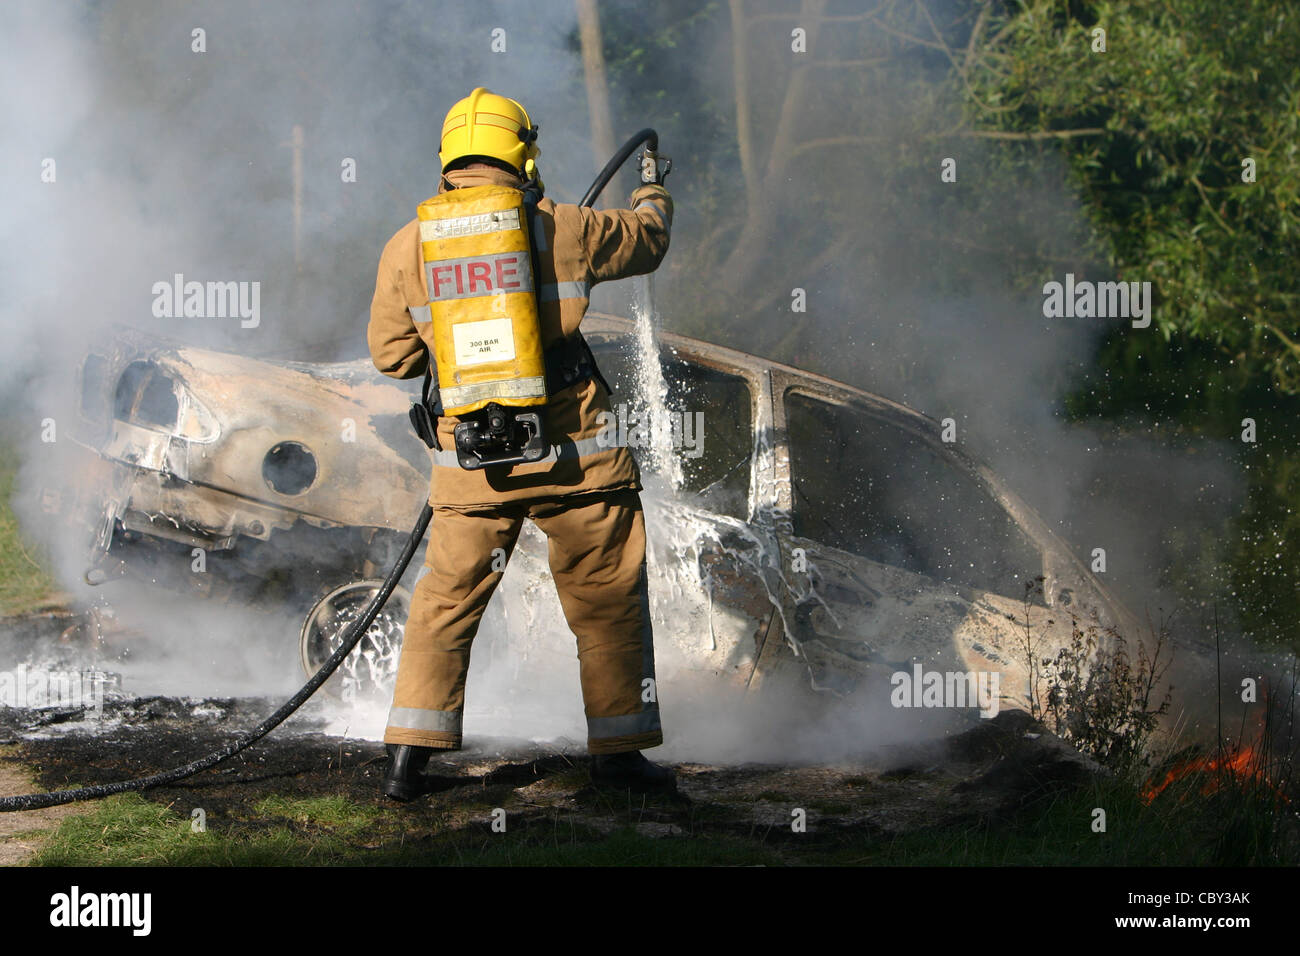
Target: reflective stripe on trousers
x,y
417,718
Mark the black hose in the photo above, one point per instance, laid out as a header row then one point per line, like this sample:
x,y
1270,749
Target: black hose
x,y
647,136
351,637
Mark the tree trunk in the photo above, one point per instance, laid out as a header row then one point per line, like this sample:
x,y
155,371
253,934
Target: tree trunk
x,y
740,82
745,257
593,68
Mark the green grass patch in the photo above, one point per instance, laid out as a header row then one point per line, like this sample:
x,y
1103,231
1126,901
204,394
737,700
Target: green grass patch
x,y
129,830
333,813
123,831
25,584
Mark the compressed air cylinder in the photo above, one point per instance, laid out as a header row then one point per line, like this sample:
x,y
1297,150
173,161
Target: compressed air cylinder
x,y
486,339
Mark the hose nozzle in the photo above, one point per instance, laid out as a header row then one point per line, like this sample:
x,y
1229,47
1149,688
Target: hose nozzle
x,y
649,165
654,168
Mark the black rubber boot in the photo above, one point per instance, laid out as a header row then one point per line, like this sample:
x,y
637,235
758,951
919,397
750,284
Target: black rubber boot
x,y
405,780
631,770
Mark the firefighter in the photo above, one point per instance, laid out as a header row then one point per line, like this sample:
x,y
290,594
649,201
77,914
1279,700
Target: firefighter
x,y
583,493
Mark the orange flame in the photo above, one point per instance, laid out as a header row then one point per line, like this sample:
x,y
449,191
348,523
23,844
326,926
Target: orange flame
x,y
1238,764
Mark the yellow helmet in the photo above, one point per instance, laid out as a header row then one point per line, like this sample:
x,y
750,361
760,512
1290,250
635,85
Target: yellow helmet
x,y
485,124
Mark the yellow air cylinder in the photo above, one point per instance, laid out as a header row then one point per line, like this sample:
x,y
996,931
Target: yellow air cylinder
x,y
486,339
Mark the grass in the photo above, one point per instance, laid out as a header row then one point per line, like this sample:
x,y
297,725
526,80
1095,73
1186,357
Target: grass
x,y
328,813
25,585
331,831
1186,825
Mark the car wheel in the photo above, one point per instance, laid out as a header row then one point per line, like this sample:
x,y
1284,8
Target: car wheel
x,y
371,669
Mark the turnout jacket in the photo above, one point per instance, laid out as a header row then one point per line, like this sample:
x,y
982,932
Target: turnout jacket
x,y
577,247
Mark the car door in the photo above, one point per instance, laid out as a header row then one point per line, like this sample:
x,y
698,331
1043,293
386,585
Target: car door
x,y
897,553
713,559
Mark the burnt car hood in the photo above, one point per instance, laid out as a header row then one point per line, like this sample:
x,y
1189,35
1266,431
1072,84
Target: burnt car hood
x,y
229,412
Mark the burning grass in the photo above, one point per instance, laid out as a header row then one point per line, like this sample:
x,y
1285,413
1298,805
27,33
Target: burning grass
x,y
1239,766
1245,792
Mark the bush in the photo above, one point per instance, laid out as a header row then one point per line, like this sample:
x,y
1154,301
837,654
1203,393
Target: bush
x,y
1094,693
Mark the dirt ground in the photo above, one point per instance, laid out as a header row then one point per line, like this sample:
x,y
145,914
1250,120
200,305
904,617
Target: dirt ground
x,y
988,772
21,833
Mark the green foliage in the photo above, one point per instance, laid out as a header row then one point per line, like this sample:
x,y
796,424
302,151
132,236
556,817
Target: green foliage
x,y
1185,92
1187,392
1099,696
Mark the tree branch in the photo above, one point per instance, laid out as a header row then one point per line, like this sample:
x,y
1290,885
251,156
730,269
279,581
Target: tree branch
x,y
975,36
835,64
1290,343
909,38
1038,134
1210,206
938,36
834,141
830,141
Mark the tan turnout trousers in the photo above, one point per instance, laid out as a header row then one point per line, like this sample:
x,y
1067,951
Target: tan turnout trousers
x,y
596,546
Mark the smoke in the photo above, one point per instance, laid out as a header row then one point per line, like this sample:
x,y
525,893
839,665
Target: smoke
x,y
146,144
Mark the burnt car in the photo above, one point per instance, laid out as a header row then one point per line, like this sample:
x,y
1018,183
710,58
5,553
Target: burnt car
x,y
801,532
